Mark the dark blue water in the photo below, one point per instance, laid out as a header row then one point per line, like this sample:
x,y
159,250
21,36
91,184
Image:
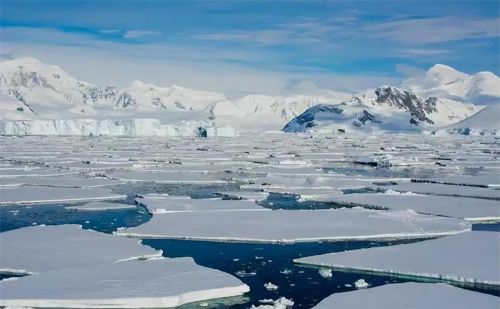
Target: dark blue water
x,y
263,263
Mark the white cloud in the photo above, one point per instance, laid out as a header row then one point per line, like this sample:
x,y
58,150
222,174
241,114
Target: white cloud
x,y
134,34
435,30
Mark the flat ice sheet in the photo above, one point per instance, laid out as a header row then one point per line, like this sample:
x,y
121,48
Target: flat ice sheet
x,y
166,177
70,181
468,208
101,206
40,249
490,180
465,257
442,189
168,204
38,194
76,268
410,295
294,225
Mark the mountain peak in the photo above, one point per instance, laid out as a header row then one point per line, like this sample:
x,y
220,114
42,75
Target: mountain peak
x,y
445,74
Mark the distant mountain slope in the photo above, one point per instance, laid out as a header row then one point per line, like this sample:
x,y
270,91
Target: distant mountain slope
x,y
387,109
484,122
445,82
32,90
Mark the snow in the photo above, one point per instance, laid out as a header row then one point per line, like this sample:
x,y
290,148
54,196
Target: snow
x,y
288,226
445,82
466,258
467,208
37,195
168,204
101,206
484,122
410,295
97,270
41,99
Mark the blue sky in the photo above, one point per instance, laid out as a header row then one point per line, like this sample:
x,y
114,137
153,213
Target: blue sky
x,y
253,46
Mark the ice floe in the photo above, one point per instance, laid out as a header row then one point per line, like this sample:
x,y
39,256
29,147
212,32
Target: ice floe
x,y
467,208
101,206
73,268
287,226
446,190
410,295
466,259
171,204
40,194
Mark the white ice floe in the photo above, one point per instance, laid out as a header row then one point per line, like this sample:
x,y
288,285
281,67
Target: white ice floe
x,y
69,181
447,190
490,180
468,208
46,248
39,194
155,283
101,206
280,303
326,273
361,284
165,177
410,295
170,204
274,226
96,270
468,258
270,287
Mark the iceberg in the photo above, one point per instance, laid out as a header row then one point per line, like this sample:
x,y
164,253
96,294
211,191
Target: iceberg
x,y
445,190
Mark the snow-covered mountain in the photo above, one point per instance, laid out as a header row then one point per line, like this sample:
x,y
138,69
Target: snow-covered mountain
x,y
445,82
387,109
48,100
484,122
36,98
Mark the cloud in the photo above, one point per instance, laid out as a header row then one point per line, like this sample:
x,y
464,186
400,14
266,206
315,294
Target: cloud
x,y
135,34
419,31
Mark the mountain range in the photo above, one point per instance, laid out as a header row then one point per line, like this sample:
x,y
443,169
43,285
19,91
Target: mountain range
x,y
37,98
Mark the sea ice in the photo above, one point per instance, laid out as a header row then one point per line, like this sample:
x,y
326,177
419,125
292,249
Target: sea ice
x,y
468,258
101,206
169,204
410,295
73,268
446,190
274,226
468,208
38,194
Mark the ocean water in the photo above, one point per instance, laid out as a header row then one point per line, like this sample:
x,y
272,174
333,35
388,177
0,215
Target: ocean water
x,y
254,264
